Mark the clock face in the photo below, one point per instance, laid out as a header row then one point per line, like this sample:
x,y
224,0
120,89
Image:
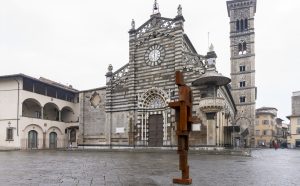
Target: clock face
x,y
154,55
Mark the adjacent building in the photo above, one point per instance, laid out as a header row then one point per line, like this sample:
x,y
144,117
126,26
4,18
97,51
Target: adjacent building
x,y
37,113
294,138
270,129
282,132
265,126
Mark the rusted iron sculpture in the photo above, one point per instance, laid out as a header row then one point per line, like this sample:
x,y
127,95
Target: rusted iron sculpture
x,y
183,112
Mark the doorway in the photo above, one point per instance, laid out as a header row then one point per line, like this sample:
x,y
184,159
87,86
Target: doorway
x,y
32,139
155,138
53,140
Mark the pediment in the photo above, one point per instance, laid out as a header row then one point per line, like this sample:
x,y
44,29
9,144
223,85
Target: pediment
x,y
155,23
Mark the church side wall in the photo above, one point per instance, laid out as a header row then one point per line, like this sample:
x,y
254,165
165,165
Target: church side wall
x,y
121,128
92,120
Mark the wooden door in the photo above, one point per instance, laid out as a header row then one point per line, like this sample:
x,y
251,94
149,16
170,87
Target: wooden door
x,y
155,135
53,140
32,139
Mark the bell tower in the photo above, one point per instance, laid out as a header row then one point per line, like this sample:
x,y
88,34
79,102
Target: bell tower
x,y
242,42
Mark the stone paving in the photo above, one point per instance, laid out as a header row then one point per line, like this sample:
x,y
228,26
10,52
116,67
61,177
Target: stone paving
x,y
265,167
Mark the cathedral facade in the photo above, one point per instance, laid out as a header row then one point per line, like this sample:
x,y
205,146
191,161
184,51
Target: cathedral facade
x,y
132,109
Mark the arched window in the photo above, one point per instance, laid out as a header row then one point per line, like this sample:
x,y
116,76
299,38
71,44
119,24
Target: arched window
x,y
242,48
246,24
237,25
242,25
51,112
31,108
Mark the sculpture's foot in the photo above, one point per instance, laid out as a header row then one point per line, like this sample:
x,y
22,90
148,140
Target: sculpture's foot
x,y
182,181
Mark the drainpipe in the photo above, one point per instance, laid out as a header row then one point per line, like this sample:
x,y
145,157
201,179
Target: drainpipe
x,y
111,108
83,122
18,106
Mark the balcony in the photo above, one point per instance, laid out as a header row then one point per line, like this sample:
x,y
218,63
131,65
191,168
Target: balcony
x,y
211,105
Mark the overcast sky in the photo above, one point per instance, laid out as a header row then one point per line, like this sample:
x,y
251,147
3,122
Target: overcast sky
x,y
73,41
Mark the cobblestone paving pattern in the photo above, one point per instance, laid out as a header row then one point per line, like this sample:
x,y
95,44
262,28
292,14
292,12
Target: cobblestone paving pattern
x,y
265,167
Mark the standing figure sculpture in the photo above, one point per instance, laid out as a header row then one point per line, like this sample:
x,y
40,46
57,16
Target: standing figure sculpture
x,y
183,111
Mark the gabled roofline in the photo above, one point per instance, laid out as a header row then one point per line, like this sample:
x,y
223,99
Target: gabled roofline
x,y
149,20
186,38
57,85
94,89
121,68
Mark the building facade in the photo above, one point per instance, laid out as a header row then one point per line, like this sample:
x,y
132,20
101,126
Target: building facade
x,y
266,127
242,42
294,138
37,113
282,132
132,110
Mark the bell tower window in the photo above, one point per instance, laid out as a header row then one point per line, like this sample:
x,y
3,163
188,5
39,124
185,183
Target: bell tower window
x,y
242,25
242,68
237,25
246,24
242,83
242,48
242,99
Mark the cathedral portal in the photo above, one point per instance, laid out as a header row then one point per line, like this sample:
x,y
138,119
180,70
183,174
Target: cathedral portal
x,y
153,110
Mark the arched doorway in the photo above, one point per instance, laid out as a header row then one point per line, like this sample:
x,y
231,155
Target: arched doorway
x,y
32,139
53,140
245,126
153,111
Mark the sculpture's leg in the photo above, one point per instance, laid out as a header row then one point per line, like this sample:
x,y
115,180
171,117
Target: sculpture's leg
x,y
183,159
